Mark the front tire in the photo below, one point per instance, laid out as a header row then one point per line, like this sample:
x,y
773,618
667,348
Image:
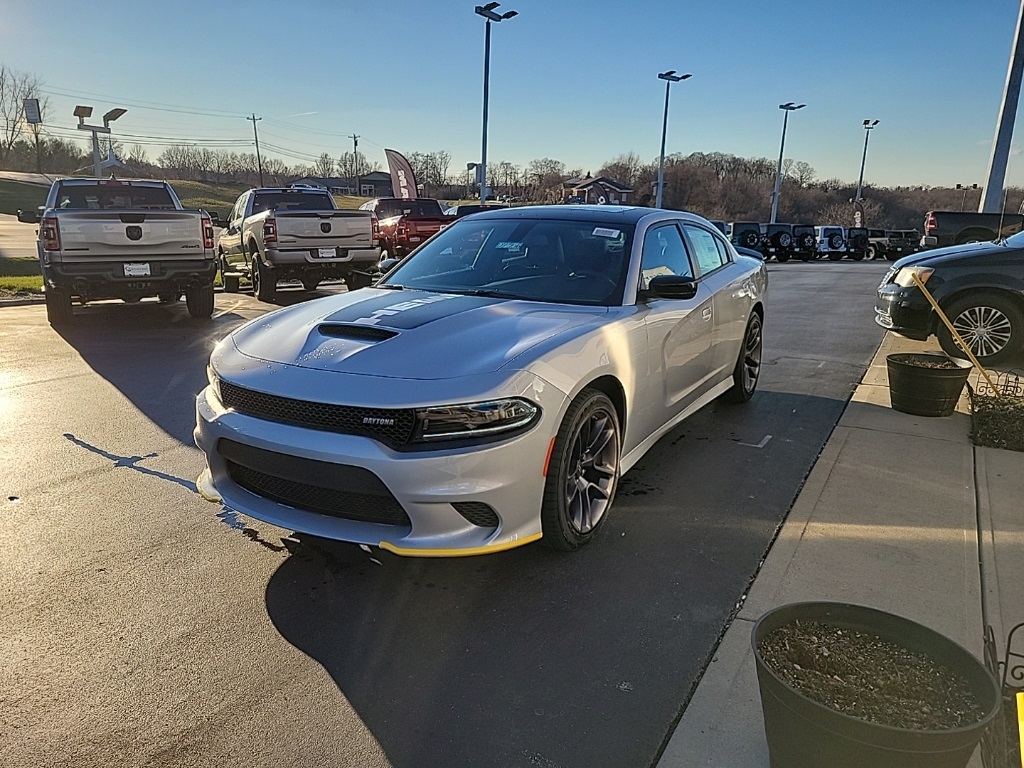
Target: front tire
x,y
58,306
583,472
230,283
747,371
199,301
990,324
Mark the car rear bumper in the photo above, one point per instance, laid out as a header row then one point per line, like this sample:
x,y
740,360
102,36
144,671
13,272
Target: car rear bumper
x,y
309,257
114,279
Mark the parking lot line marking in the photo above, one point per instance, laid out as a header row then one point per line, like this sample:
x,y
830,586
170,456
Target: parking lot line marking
x,y
223,312
762,444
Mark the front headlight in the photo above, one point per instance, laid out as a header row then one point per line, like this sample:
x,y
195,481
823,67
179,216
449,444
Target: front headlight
x,y
214,380
905,279
493,417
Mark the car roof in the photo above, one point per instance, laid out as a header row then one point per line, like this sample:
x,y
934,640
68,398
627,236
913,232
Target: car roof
x,y
624,214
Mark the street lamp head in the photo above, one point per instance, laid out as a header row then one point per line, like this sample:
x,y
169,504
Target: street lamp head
x,y
509,14
82,112
790,106
113,114
672,77
487,11
869,124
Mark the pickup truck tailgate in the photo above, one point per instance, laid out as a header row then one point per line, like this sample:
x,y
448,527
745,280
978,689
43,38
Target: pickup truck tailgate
x,y
421,229
324,229
130,234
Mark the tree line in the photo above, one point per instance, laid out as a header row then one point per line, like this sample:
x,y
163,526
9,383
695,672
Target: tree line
x,y
716,185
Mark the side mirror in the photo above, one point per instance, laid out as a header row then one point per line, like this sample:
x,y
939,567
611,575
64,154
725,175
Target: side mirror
x,y
232,229
386,265
671,287
216,219
28,217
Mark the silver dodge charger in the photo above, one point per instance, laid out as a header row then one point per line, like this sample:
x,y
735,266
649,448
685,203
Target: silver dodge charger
x,y
491,388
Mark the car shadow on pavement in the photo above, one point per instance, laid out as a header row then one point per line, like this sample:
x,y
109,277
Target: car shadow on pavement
x,y
154,355
532,657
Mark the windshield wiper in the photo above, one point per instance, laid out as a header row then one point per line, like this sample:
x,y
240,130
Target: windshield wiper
x,y
390,286
487,294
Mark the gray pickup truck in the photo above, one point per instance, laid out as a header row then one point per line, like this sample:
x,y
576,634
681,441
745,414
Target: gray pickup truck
x,y
942,228
128,240
296,233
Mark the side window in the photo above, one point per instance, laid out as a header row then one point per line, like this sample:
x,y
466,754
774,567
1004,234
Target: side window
x,y
710,256
664,254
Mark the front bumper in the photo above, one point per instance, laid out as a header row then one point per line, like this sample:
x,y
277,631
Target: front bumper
x,y
904,311
506,476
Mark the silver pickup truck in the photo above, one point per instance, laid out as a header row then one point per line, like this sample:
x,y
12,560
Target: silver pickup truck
x,y
296,233
128,240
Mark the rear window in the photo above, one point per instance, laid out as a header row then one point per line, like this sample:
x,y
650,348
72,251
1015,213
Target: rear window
x,y
113,197
297,200
388,208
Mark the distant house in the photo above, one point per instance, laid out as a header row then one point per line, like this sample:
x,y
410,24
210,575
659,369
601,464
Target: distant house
x,y
600,191
373,184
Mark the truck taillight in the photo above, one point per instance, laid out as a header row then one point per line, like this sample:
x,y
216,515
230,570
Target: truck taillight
x,y
930,223
375,229
270,231
49,231
402,230
207,232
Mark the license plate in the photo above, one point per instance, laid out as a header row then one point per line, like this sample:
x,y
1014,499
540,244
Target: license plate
x,y
414,239
136,270
326,253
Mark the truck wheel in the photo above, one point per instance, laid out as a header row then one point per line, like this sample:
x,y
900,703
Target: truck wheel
x,y
199,301
857,256
357,280
264,284
872,252
310,283
58,307
782,257
805,257
835,256
990,324
892,257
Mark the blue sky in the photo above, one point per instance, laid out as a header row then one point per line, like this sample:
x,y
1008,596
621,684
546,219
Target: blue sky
x,y
574,81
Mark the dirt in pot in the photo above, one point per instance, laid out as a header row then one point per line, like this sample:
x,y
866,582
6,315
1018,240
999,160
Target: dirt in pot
x,y
931,361
869,678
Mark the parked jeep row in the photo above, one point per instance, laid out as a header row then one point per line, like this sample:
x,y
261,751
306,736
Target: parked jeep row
x,y
805,242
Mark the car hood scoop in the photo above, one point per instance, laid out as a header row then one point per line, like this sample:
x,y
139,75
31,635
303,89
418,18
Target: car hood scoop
x,y
407,334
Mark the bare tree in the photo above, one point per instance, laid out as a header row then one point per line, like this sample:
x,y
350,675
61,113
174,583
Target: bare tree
x,y
803,173
15,87
324,166
624,169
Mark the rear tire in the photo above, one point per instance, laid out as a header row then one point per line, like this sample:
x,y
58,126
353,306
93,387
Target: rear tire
x,y
230,283
747,371
782,257
583,472
357,280
58,307
835,256
857,256
199,301
264,284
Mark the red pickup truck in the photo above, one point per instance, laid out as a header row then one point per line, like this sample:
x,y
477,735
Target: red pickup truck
x,y
404,224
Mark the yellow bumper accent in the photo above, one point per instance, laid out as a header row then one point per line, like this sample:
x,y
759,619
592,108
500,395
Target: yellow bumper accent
x,y
413,552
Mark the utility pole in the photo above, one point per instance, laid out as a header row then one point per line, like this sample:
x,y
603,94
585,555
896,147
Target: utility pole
x,y
355,158
259,162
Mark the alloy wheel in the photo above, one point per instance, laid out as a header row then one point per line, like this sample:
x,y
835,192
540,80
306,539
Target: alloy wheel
x,y
985,330
591,471
752,345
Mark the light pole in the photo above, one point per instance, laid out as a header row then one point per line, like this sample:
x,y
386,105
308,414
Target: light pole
x,y
470,167
84,111
868,125
487,11
788,107
965,187
669,78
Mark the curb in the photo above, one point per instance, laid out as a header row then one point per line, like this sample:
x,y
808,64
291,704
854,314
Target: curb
x,y
21,302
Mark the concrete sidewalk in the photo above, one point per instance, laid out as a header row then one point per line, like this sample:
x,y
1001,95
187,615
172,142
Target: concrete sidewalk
x,y
889,517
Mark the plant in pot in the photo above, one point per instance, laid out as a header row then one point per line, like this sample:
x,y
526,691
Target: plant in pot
x,y
926,383
848,686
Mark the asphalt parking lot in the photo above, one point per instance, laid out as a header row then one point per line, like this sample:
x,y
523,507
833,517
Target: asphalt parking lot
x,y
144,626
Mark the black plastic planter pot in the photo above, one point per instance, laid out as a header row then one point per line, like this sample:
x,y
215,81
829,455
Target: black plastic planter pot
x,y
805,734
921,390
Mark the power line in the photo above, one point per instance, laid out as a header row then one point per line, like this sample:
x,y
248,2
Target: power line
x,y
140,104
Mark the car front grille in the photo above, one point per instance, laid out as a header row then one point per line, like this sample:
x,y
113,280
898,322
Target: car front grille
x,y
477,513
393,427
336,490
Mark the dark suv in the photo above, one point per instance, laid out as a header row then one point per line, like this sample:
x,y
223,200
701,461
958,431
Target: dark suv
x,y
745,234
777,241
857,243
804,242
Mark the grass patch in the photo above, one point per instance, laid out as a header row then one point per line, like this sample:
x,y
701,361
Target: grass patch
x,y
19,267
20,286
17,194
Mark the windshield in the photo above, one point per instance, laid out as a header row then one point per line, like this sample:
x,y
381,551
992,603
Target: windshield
x,y
567,262
1015,241
108,196
297,200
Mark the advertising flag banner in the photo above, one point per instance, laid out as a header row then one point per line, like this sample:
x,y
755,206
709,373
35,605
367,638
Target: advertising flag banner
x,y
403,180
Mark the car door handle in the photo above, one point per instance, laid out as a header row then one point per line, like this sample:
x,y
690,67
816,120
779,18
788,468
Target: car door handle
x,y
706,314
